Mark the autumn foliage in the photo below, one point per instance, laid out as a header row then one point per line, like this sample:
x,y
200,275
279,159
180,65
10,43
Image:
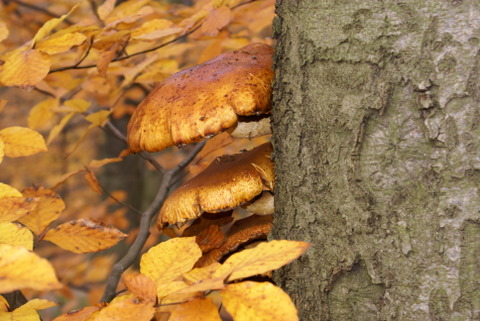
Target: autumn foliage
x,y
72,73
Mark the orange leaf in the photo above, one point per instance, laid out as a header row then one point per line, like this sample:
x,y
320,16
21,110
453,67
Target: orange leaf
x,y
78,315
49,207
3,102
198,310
93,182
3,31
105,8
141,286
39,304
2,150
84,236
58,128
263,258
168,260
216,20
20,268
253,301
22,141
25,67
4,306
127,309
99,163
14,208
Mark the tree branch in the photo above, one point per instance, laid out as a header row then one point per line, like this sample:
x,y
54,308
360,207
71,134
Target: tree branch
x,y
144,228
40,9
146,156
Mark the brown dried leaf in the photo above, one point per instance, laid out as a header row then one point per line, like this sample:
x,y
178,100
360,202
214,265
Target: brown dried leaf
x,y
84,236
216,20
252,228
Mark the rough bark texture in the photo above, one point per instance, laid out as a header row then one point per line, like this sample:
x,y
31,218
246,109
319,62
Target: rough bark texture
x,y
377,153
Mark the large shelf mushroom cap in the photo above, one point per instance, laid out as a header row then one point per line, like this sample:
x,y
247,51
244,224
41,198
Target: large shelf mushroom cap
x,y
229,181
204,100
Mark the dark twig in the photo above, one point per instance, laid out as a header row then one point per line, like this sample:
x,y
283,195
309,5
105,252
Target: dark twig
x,y
40,9
144,228
146,156
104,190
243,3
131,55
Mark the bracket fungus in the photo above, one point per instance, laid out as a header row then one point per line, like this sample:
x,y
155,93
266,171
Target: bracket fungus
x,y
228,182
204,100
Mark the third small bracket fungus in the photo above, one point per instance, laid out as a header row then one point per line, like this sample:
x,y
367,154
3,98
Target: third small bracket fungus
x,y
204,100
229,181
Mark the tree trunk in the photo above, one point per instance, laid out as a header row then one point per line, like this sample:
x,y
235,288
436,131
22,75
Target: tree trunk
x,y
377,153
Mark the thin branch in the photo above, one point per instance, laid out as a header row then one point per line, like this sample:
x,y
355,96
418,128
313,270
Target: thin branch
x,y
146,156
144,228
40,9
104,190
131,55
243,3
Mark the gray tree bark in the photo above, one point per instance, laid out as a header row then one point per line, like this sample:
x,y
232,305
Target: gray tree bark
x,y
377,152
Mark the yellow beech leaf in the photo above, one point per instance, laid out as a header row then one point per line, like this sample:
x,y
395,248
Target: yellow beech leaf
x,y
39,304
20,314
62,43
58,128
166,288
3,31
78,315
8,191
168,260
13,208
105,8
128,309
77,105
41,113
4,306
20,268
263,258
25,68
2,150
151,26
50,25
100,162
99,117
49,207
254,301
16,235
141,286
84,236
22,141
202,279
198,310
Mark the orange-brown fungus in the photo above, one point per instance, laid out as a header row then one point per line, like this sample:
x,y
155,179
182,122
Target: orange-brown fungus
x,y
229,181
252,228
204,100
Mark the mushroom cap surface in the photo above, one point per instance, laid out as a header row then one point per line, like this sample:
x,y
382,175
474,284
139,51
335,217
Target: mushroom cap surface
x,y
204,100
228,182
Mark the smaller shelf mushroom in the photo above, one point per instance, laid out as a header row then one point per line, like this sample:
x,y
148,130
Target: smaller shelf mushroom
x,y
230,181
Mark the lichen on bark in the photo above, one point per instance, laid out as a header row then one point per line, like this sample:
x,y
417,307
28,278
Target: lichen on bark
x,y
376,148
